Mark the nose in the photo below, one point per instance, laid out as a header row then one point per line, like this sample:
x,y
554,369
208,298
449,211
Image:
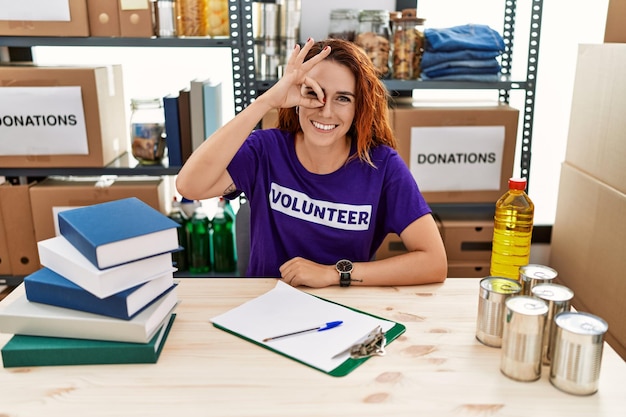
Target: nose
x,y
326,109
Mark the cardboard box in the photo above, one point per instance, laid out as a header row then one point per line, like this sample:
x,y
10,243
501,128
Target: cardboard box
x,y
104,18
100,99
458,154
136,19
392,244
270,120
52,195
596,141
17,225
55,25
615,31
461,269
5,260
468,240
588,248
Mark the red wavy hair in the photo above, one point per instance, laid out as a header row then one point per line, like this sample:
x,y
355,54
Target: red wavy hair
x,y
370,126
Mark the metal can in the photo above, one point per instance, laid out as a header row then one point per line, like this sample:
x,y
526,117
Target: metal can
x,y
522,337
533,274
579,339
558,298
493,293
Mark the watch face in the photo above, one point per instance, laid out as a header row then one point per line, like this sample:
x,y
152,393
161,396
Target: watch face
x,y
344,265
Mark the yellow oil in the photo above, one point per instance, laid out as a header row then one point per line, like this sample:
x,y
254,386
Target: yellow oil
x,y
513,225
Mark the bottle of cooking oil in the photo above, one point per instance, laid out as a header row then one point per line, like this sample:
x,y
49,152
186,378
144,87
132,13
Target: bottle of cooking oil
x,y
513,226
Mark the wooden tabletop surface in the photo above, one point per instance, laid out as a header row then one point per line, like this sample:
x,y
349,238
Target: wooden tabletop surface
x,y
436,368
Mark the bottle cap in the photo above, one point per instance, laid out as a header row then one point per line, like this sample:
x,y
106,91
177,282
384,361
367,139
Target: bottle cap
x,y
517,184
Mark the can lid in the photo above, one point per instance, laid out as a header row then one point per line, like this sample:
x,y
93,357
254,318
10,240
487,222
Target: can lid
x,y
538,271
527,305
552,292
581,323
517,184
500,285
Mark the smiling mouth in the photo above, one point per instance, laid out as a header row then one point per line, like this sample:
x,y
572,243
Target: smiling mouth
x,y
323,126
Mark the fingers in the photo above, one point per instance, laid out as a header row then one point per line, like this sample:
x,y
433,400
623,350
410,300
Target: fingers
x,y
307,99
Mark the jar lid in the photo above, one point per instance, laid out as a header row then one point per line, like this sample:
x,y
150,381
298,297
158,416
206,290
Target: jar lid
x,y
408,15
344,13
374,15
146,102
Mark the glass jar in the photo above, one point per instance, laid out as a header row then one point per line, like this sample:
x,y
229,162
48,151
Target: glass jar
x,y
343,24
192,17
374,37
147,130
164,18
217,18
407,46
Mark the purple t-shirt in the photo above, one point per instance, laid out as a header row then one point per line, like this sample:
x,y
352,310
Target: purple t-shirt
x,y
324,218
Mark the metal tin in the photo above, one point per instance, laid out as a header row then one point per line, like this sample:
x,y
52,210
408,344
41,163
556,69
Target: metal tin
x,y
579,338
522,337
533,274
493,293
558,298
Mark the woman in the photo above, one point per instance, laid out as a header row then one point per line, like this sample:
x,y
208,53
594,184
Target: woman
x,y
327,185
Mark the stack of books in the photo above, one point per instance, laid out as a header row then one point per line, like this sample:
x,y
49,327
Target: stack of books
x,y
105,292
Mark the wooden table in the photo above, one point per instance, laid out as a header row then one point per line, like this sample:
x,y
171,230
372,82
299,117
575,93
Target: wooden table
x,y
437,368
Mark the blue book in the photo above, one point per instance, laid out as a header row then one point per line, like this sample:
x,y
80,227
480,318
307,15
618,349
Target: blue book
x,y
22,350
47,287
117,232
172,130
212,105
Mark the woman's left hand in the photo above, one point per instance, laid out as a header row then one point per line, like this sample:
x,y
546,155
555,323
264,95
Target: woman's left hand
x,y
302,272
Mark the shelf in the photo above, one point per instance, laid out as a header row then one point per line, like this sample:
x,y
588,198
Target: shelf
x,y
407,85
124,165
31,41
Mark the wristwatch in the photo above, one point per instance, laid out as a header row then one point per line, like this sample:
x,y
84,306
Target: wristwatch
x,y
344,267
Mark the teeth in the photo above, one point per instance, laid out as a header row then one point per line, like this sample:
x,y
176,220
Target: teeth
x,y
323,127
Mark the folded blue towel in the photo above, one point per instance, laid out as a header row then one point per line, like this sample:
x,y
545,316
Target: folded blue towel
x,y
470,36
494,69
466,63
465,77
432,58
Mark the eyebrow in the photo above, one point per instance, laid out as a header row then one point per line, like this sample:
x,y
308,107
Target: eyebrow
x,y
345,93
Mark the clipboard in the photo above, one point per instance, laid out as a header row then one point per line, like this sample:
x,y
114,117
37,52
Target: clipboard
x,y
368,344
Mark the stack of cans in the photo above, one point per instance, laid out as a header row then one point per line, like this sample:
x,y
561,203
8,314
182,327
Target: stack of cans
x,y
531,320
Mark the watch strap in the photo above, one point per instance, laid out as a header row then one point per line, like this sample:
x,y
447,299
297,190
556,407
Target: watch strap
x,y
345,279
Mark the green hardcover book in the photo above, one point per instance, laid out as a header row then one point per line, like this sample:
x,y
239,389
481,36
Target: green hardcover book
x,y
22,350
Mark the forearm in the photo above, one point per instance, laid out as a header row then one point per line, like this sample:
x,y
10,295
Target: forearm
x,y
413,268
200,177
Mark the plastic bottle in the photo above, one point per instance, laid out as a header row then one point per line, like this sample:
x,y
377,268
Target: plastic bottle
x,y
224,249
199,230
513,226
228,209
179,258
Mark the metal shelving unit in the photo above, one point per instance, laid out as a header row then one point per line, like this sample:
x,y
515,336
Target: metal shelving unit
x,y
247,87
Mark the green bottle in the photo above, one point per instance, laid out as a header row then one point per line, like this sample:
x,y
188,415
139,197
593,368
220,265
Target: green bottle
x,y
179,258
224,249
199,230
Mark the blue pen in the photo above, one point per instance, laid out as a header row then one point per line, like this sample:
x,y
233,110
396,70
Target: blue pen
x,y
327,326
